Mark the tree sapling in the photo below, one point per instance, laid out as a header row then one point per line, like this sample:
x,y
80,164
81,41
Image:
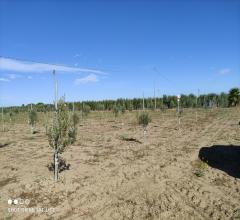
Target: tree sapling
x,y
144,119
62,133
32,119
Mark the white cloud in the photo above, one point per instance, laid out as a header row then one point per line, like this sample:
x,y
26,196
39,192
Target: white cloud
x,y
88,79
77,55
4,80
13,76
9,64
224,71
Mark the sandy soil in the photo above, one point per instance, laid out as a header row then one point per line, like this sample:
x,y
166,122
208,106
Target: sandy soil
x,y
114,177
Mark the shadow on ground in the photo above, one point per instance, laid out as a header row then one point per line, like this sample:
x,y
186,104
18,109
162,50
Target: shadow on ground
x,y
222,157
61,166
4,144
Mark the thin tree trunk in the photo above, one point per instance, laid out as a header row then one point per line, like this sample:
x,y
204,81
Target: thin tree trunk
x,y
55,166
2,120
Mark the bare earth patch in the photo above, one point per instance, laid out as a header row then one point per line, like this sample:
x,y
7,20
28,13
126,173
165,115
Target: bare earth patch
x,y
113,174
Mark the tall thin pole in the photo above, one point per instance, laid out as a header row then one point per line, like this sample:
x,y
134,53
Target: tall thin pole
x,y
82,110
55,90
143,102
198,96
155,101
31,124
204,101
56,150
197,106
160,102
178,109
2,120
56,95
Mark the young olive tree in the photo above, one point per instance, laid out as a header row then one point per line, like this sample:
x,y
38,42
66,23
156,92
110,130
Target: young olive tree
x,y
143,120
122,109
10,116
233,97
115,110
75,120
62,132
101,108
32,119
85,110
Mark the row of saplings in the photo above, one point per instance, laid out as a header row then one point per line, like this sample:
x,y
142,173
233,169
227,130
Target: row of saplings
x,y
63,131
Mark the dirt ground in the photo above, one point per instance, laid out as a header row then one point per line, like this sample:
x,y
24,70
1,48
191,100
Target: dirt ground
x,y
114,174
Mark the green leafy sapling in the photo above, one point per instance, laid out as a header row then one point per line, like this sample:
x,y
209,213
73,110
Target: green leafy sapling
x,y
115,110
143,120
74,120
32,119
122,109
86,110
62,132
10,116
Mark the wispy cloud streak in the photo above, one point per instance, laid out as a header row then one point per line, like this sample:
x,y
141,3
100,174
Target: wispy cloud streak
x,y
224,71
9,64
13,76
91,78
4,80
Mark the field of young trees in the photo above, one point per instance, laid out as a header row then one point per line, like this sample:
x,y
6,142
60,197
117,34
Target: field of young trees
x,y
122,159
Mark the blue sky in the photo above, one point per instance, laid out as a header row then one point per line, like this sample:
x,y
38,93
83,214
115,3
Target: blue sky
x,y
113,49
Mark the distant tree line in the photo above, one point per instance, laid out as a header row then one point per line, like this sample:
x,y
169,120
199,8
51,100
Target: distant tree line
x,y
166,102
